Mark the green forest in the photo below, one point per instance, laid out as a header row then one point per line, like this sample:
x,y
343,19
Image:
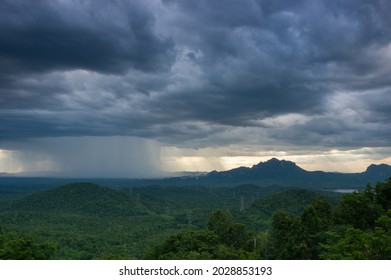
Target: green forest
x,y
91,221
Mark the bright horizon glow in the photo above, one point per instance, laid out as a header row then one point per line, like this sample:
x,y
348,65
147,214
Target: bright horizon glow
x,y
174,159
8,162
351,161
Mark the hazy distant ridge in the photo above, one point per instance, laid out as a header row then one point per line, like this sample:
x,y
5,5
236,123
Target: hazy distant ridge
x,y
284,172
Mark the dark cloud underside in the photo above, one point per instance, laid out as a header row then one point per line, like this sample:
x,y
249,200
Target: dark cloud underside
x,y
92,35
198,72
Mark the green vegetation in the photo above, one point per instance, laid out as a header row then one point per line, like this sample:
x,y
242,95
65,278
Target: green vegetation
x,y
221,239
89,221
14,247
359,227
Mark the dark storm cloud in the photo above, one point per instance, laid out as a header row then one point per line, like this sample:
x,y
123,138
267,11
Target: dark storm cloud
x,y
95,35
270,58
268,51
198,71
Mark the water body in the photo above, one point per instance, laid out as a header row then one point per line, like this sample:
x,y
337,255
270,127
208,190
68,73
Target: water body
x,y
345,190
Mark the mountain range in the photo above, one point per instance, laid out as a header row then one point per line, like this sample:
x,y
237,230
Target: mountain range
x,y
272,172
287,173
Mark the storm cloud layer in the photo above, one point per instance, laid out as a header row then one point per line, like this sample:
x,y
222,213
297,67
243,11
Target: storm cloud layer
x,y
198,74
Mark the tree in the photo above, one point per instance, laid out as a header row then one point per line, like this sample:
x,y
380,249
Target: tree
x,y
353,244
383,194
263,245
286,237
222,239
14,247
230,233
359,209
189,244
317,217
382,236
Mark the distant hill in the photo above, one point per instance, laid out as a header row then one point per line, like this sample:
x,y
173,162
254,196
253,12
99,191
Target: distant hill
x,y
292,201
258,214
378,171
271,169
287,173
86,198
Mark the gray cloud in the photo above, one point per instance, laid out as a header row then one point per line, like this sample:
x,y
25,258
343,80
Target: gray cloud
x,y
198,73
95,35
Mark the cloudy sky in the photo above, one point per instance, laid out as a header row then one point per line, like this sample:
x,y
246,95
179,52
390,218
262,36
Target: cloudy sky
x,y
138,88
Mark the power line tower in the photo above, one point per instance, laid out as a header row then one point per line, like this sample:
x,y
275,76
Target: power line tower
x,y
188,215
242,208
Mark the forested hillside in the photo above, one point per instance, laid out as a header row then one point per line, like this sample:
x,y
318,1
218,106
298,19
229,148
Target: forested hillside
x,y
359,227
89,221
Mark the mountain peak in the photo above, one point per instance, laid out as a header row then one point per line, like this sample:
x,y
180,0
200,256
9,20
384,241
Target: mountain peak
x,y
276,163
285,172
379,169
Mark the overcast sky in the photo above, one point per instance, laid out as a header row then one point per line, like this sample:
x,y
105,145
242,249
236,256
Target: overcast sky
x,y
136,88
